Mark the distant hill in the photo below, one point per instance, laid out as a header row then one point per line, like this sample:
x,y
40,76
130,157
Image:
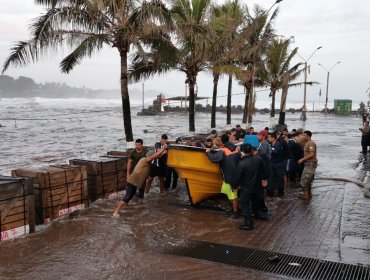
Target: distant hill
x,y
26,87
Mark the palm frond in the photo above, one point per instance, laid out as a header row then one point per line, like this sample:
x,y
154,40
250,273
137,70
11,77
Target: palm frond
x,y
152,65
199,10
47,3
86,48
21,54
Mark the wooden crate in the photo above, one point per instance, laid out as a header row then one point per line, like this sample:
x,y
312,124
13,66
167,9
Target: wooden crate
x,y
17,210
58,190
118,153
106,176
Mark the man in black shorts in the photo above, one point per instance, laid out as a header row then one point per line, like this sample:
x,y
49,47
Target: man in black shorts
x,y
158,166
138,177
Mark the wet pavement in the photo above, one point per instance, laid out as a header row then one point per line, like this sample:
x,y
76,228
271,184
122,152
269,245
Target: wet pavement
x,y
332,226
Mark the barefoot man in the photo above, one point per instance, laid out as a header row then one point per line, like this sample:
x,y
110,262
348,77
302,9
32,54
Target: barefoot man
x,y
138,177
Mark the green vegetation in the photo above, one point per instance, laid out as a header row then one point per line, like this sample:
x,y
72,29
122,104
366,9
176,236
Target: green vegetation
x,y
26,87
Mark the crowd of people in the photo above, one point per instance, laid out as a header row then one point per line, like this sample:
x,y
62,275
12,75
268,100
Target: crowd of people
x,y
254,166
263,165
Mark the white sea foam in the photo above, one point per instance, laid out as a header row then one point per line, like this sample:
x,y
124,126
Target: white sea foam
x,y
61,129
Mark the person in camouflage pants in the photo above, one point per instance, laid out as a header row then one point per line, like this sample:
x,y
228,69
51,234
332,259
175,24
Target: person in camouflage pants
x,y
310,163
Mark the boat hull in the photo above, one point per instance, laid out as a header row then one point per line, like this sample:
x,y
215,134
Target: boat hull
x,y
203,177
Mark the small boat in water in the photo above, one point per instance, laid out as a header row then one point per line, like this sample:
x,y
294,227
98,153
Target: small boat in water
x,y
203,178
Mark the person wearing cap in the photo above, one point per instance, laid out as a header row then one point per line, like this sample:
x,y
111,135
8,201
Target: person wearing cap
x,y
228,157
137,178
264,145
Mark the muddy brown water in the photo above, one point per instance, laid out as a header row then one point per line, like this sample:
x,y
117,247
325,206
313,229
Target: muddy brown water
x,y
94,245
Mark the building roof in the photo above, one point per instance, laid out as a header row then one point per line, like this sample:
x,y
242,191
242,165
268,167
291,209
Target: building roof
x,y
179,98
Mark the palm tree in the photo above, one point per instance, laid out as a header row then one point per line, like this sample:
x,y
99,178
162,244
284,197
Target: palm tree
x,y
188,53
291,75
226,21
254,41
277,73
87,26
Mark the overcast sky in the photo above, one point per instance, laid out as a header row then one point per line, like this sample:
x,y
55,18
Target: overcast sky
x,y
341,27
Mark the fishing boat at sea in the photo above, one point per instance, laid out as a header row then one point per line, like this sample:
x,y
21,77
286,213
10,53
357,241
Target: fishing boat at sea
x,y
203,178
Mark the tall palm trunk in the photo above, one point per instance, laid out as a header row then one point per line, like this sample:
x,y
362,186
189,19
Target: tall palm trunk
x,y
246,103
192,81
283,106
251,104
216,77
251,101
125,98
272,112
228,109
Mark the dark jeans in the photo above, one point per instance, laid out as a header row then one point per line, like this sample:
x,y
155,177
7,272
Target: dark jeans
x,y
130,192
277,174
171,174
245,204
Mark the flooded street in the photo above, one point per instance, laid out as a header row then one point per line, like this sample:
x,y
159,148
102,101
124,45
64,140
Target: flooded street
x,y
333,226
94,245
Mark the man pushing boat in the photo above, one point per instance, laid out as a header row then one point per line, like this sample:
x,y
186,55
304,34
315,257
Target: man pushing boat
x,y
228,157
138,177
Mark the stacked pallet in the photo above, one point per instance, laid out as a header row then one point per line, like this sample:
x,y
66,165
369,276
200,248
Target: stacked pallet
x,y
106,176
17,216
58,190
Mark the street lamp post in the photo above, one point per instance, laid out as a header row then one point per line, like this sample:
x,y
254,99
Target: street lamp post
x,y
276,2
304,108
327,83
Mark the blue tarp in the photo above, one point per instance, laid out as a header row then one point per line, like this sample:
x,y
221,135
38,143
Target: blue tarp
x,y
251,139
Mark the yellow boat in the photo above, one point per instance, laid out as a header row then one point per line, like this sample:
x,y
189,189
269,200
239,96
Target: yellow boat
x,y
203,178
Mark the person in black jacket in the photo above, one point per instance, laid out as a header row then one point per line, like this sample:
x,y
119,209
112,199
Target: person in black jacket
x,y
277,166
228,157
250,175
259,207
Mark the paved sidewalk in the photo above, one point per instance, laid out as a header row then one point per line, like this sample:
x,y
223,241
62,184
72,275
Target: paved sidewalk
x,y
334,225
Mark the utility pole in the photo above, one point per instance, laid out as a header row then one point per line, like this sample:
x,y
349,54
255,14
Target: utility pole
x,y
304,108
327,83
